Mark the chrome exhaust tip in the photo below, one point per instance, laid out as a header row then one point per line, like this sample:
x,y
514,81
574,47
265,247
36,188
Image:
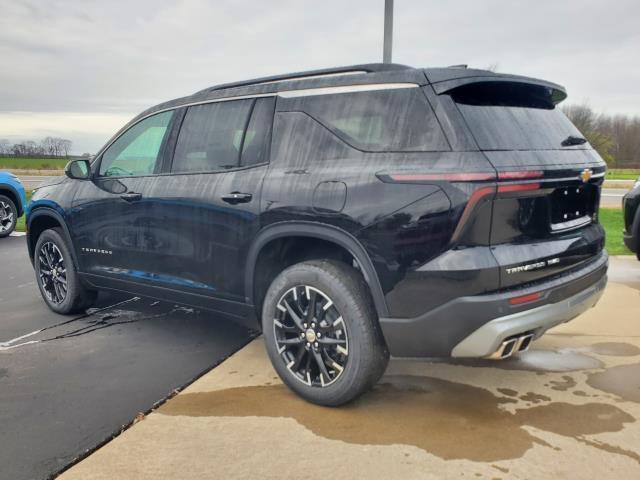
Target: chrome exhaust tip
x,y
506,349
524,342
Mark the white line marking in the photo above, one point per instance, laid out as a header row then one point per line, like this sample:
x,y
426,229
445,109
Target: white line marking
x,y
14,340
9,344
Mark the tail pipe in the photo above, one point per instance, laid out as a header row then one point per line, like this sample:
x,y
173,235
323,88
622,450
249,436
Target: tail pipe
x,y
514,344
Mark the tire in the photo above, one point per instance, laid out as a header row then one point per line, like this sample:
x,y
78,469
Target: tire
x,y
51,272
343,310
8,216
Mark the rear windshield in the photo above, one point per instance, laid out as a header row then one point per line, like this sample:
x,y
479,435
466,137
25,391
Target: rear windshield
x,y
396,120
505,116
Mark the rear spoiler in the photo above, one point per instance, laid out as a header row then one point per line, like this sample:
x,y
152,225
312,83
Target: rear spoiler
x,y
445,80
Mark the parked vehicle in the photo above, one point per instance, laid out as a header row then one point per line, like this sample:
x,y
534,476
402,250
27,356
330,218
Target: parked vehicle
x,y
351,213
13,201
631,209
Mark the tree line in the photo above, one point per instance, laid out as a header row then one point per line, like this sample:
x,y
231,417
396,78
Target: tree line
x,y
47,147
615,137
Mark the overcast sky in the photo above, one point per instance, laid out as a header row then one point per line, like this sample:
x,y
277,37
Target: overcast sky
x,y
81,69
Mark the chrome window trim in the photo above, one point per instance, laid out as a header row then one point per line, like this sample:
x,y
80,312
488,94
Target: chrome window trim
x,y
345,89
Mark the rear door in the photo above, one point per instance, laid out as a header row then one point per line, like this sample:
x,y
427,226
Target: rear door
x,y
211,199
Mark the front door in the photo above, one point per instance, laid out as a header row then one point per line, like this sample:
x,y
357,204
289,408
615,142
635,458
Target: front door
x,y
113,219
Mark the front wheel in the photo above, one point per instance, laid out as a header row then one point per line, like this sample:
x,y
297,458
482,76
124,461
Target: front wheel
x,y
57,275
321,332
8,216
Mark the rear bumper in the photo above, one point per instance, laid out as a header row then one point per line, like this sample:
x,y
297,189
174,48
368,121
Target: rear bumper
x,y
486,340
475,326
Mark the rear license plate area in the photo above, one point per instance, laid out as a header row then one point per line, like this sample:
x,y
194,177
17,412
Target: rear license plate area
x,y
572,206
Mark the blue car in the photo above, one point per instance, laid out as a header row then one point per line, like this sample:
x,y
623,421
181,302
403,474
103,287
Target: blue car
x,y
13,202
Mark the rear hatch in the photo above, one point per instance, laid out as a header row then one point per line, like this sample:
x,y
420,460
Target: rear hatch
x,y
544,209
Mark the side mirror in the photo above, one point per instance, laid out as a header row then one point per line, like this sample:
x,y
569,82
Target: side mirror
x,y
78,169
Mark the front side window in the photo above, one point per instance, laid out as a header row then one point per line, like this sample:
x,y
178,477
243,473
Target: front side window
x,y
137,151
210,138
395,120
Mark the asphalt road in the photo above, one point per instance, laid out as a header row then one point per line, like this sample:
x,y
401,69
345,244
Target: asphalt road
x,y
72,382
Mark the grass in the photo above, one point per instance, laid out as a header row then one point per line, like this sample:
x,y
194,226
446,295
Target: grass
x,y
32,163
623,173
20,226
613,223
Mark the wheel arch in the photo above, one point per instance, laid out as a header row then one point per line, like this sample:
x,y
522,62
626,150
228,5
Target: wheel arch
x,y
323,232
11,193
41,219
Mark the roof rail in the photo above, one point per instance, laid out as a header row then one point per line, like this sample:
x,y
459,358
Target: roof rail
x,y
327,72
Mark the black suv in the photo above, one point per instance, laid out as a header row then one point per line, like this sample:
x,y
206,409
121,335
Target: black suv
x,y
352,213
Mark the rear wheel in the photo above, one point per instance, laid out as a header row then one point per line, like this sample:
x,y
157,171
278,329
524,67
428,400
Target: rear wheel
x,y
57,275
8,216
321,332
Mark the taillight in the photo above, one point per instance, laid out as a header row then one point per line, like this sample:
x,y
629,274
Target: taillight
x,y
518,187
520,175
494,182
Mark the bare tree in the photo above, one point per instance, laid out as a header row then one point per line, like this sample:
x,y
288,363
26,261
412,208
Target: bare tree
x,y
65,146
5,146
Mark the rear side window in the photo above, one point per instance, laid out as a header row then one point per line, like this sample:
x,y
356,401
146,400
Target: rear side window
x,y
257,139
210,138
399,120
136,151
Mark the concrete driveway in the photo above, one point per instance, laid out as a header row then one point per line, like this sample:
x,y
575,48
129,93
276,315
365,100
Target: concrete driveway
x,y
568,408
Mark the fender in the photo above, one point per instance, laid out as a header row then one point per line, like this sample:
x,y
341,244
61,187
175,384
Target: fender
x,y
16,195
49,212
323,232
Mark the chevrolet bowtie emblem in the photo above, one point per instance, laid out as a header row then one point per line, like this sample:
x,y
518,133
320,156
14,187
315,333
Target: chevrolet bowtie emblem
x,y
586,174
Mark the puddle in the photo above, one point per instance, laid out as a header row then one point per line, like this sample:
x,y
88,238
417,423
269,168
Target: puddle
x,y
622,381
563,385
615,349
533,397
450,420
565,360
508,392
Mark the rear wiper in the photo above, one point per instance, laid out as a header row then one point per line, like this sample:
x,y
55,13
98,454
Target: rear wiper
x,y
571,140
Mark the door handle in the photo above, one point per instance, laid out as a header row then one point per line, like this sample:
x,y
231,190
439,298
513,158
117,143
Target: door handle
x,y
131,197
236,197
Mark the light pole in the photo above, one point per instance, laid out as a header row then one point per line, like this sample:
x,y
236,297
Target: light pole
x,y
388,31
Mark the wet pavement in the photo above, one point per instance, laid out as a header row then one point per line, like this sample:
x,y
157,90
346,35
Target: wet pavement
x,y
568,408
70,383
